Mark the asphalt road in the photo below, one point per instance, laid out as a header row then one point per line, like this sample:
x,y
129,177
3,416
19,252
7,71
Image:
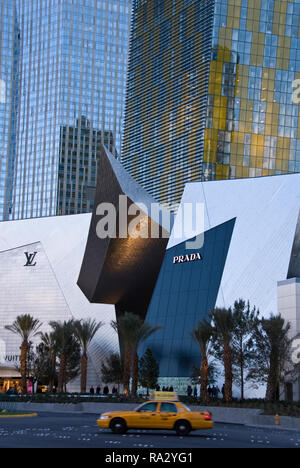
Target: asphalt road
x,y
81,431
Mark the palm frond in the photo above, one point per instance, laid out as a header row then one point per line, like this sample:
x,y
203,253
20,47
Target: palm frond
x,y
25,326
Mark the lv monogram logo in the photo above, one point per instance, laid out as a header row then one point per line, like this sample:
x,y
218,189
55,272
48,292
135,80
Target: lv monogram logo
x,y
30,259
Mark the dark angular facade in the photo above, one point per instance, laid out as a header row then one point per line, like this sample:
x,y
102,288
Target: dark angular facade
x,y
294,266
119,271
142,276
184,295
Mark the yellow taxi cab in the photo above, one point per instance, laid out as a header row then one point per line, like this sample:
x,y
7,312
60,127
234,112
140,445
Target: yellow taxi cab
x,y
164,411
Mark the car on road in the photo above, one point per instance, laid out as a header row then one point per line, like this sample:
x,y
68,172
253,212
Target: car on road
x,y
157,414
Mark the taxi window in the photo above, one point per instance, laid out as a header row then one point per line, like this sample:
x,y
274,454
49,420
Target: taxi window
x,y
148,407
186,407
168,408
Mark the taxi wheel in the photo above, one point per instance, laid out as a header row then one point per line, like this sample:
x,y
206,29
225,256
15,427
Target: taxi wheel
x,y
118,426
182,428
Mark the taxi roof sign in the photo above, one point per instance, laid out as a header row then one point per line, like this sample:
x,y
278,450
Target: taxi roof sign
x,y
169,396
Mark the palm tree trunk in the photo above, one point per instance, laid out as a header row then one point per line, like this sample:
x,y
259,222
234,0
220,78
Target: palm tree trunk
x,y
242,381
62,373
228,372
272,379
127,369
83,377
53,366
242,363
24,351
135,373
204,379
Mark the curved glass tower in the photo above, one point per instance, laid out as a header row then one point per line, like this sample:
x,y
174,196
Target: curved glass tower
x,y
9,101
69,64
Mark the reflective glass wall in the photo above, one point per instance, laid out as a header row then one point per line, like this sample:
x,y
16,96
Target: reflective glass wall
x,y
167,94
9,100
72,66
252,124
210,92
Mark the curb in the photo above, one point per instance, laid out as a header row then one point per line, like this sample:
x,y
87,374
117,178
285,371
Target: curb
x,y
29,415
277,428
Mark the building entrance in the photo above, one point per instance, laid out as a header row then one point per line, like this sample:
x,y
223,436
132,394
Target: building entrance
x,y
10,384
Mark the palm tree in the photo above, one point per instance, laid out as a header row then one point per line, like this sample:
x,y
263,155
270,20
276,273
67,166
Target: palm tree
x,y
25,326
132,331
123,327
272,353
203,336
142,331
245,321
223,327
49,341
64,337
277,331
85,330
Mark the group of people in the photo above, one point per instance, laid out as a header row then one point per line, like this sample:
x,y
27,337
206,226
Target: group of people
x,y
105,390
165,389
190,392
213,392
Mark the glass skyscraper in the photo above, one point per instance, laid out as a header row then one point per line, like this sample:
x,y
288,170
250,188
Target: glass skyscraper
x,y
81,139
9,100
210,92
61,61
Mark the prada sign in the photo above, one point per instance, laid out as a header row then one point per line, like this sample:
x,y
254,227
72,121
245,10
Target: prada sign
x,y
195,257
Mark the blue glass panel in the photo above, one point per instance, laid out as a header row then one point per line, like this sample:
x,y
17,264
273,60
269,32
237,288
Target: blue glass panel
x,y
192,292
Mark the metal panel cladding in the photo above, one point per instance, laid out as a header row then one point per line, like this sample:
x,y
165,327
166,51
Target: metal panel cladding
x,y
249,112
167,94
252,127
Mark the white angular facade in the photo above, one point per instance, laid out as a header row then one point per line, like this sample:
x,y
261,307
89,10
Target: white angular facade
x,y
266,212
263,251
40,262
